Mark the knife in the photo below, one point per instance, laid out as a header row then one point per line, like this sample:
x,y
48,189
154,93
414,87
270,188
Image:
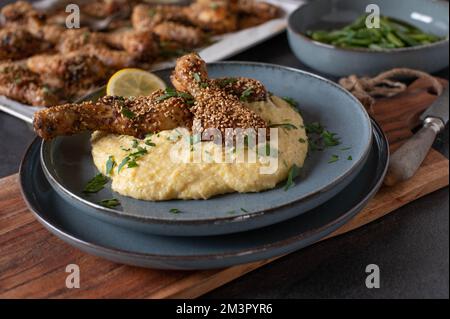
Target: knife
x,y
407,159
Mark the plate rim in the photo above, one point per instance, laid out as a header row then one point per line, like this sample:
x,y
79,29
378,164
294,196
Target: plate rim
x,y
383,147
233,218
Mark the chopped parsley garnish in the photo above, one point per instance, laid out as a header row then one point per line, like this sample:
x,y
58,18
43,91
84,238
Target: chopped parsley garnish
x,y
135,144
245,96
194,139
148,140
287,126
109,203
320,138
214,5
313,146
267,149
86,36
314,127
334,158
293,173
110,164
291,102
175,211
244,210
127,112
132,163
46,89
197,77
349,158
96,184
123,163
131,159
140,152
171,92
225,82
330,139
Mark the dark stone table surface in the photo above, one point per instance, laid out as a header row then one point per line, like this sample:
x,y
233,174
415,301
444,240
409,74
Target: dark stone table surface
x,y
410,245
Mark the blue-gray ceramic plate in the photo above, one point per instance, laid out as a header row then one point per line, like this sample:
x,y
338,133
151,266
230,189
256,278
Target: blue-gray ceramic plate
x,y
68,164
119,244
430,16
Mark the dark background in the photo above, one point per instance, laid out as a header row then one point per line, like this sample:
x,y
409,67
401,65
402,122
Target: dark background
x,y
410,245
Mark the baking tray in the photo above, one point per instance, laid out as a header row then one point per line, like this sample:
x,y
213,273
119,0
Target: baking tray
x,y
225,46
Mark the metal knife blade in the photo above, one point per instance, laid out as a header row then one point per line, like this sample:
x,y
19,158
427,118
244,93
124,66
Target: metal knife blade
x,y
439,108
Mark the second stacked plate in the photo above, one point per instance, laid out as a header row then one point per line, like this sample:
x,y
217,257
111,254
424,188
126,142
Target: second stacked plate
x,y
72,224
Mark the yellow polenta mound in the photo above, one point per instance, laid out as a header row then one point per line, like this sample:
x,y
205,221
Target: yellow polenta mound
x,y
158,177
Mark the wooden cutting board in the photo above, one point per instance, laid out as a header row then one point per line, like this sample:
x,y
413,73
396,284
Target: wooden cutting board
x,y
33,262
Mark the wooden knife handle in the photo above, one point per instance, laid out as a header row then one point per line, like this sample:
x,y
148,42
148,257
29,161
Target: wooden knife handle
x,y
407,159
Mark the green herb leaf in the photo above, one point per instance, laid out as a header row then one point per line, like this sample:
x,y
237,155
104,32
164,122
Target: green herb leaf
x,y
171,92
349,158
140,152
334,158
197,77
244,210
329,139
314,128
110,164
96,184
175,211
287,126
194,139
291,101
132,164
246,94
293,173
225,82
127,113
123,163
109,203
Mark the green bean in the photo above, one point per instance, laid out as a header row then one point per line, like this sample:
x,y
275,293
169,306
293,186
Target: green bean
x,y
391,34
407,39
394,40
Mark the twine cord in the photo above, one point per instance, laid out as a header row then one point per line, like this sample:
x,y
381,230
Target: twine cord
x,y
366,89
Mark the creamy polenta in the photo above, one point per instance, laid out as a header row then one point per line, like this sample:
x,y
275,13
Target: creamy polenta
x,y
152,174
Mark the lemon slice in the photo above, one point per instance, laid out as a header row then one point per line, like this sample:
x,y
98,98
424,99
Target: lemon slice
x,y
133,82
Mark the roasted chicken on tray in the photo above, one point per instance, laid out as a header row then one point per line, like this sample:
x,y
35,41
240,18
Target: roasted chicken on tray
x,y
198,99
68,62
